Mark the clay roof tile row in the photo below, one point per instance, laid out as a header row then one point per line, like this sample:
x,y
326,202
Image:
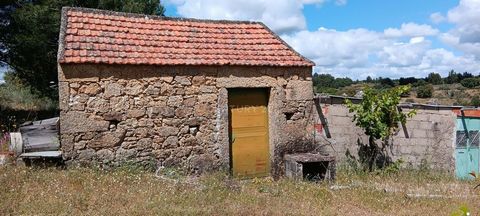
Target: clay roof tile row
x,y
96,36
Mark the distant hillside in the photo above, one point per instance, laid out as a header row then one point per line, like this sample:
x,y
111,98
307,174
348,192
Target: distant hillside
x,y
455,89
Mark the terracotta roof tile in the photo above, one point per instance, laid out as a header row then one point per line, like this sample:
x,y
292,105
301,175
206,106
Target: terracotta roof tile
x,y
105,37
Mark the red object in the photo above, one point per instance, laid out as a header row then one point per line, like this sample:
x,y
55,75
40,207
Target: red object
x,y
97,36
468,113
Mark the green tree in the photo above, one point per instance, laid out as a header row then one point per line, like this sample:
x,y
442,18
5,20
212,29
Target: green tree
x,y
369,79
425,91
452,77
323,80
342,82
407,80
378,115
471,82
384,83
29,32
434,78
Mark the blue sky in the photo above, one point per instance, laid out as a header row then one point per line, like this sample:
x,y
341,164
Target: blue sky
x,y
373,14
359,38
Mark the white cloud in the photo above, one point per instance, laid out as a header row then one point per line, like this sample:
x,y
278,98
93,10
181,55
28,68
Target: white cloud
x,y
328,47
281,16
404,54
411,30
417,40
437,18
394,52
465,36
467,12
359,53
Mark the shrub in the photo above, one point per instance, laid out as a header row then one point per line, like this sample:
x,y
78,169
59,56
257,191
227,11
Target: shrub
x,y
327,90
378,115
420,82
425,91
475,101
470,82
349,91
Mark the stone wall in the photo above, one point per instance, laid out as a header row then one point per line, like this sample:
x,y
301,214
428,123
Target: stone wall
x,y
174,116
430,143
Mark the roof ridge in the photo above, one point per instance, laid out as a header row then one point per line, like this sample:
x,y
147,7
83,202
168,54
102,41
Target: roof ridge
x,y
139,15
287,45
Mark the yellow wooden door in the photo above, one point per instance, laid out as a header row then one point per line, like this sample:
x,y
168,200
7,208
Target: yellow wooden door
x,y
249,132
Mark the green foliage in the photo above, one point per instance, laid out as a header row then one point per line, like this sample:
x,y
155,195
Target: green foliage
x,y
323,80
17,96
369,79
326,90
392,168
462,211
475,101
420,82
384,83
342,82
407,80
29,34
326,83
471,82
378,115
349,91
434,78
425,91
452,77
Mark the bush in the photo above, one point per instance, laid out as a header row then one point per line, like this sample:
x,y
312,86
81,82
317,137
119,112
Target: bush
x,y
420,82
475,101
349,91
425,91
326,90
470,82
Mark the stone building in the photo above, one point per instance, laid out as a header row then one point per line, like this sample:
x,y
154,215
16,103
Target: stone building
x,y
196,94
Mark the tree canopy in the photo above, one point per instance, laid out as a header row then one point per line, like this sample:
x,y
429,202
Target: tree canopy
x,y
29,32
434,78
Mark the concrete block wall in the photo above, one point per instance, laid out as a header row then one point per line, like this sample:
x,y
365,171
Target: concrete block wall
x,y
431,141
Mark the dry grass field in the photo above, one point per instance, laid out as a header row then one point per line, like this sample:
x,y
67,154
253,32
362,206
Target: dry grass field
x,y
82,191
